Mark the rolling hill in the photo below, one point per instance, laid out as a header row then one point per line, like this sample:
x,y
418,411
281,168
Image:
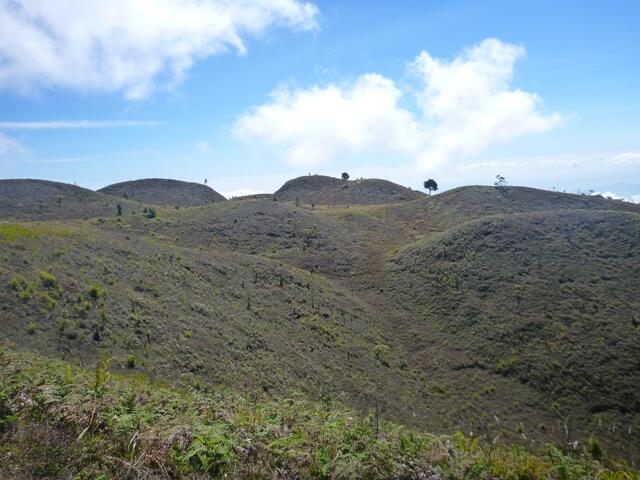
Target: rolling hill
x,y
323,190
510,312
158,191
45,200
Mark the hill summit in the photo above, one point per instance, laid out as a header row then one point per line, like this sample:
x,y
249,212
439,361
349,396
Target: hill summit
x,y
159,191
326,190
45,200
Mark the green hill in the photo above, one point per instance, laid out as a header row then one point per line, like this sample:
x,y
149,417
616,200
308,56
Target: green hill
x,y
159,191
507,312
44,200
541,304
323,190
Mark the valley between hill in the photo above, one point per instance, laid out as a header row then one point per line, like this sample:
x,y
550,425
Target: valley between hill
x,y
507,313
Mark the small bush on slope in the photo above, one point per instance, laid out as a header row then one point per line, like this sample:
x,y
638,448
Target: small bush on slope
x,y
57,425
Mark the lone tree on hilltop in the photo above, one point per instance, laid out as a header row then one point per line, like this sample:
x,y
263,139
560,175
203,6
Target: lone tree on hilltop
x,y
345,176
431,185
500,181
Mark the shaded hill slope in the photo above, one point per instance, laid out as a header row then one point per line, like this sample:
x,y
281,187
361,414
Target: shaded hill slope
x,y
158,191
45,200
547,300
323,190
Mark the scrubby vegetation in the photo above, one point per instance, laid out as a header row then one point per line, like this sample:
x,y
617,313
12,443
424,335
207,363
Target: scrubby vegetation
x,y
320,189
158,191
507,313
59,421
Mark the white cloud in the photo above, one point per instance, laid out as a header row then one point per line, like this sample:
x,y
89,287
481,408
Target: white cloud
x,y
203,147
472,104
128,45
315,125
615,196
464,106
626,158
9,146
75,124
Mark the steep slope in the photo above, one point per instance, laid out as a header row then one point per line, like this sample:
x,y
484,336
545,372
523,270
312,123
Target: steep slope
x,y
193,315
158,191
45,200
323,190
547,302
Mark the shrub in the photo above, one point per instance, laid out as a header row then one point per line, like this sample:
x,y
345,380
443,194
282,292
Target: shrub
x,y
47,279
50,301
17,284
595,449
131,361
102,375
149,212
93,292
26,293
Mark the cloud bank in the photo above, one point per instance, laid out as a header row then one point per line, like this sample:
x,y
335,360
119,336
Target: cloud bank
x,y
128,46
463,106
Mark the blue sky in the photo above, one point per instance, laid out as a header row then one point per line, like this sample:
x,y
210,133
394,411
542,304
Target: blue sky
x,y
250,95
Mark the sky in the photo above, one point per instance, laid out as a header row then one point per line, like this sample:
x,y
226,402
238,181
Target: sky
x,y
250,93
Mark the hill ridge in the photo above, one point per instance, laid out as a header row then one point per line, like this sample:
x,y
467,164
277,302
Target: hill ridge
x,y
326,190
164,191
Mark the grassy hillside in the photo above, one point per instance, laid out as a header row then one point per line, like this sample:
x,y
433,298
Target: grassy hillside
x,y
44,200
192,314
546,300
58,421
453,207
323,190
158,191
507,312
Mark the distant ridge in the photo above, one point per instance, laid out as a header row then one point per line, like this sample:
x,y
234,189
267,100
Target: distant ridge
x,y
160,191
45,200
466,203
326,190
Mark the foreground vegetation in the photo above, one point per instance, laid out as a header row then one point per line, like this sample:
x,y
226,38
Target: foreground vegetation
x,y
60,421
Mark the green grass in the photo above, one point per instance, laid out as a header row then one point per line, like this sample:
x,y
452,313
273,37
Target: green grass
x,y
60,421
10,232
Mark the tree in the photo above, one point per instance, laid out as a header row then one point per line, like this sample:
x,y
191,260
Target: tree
x,y
431,185
118,210
500,181
205,181
149,212
345,176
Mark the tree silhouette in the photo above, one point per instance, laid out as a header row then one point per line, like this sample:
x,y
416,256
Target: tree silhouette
x,y
431,185
345,176
500,181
